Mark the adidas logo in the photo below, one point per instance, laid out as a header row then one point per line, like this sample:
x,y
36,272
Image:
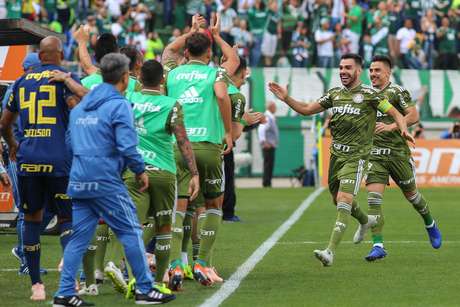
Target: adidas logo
x,y
190,96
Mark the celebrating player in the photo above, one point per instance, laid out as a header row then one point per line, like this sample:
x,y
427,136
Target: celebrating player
x,y
390,156
354,109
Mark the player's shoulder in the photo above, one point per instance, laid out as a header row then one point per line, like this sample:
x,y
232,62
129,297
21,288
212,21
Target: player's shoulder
x,y
335,90
397,89
369,90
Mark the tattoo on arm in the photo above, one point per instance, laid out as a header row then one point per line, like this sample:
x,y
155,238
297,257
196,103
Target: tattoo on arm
x,y
185,148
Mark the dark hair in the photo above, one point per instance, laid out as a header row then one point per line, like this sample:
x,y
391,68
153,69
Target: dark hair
x,y
356,57
132,53
105,44
197,44
151,73
113,67
383,58
243,65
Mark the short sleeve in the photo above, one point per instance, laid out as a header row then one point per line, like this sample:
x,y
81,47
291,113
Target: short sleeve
x,y
326,101
405,100
238,104
169,65
175,118
222,76
12,102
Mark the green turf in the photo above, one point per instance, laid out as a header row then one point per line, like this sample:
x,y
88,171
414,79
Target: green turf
x,y
412,275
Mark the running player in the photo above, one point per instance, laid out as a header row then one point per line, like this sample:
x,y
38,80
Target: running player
x,y
157,119
390,156
202,91
354,109
43,109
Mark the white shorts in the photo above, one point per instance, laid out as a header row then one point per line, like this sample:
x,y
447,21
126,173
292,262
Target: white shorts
x,y
269,42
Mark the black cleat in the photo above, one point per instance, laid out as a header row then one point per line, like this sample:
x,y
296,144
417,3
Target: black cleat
x,y
69,301
154,297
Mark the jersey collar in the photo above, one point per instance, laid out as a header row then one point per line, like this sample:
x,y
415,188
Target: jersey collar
x,y
196,62
151,92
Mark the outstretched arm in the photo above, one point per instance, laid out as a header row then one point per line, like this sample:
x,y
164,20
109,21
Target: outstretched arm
x,y
300,107
82,38
232,59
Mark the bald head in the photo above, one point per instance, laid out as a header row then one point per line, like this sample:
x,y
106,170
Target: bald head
x,y
271,106
51,50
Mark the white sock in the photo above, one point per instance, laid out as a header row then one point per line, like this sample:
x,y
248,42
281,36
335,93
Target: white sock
x,y
184,257
379,245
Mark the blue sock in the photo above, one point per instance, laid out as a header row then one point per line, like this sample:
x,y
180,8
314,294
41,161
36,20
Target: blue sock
x,y
65,229
150,248
32,249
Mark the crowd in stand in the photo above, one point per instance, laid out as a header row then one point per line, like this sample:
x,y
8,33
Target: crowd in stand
x,y
418,34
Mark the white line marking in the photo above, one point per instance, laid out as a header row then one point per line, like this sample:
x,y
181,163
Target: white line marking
x,y
351,242
15,270
243,270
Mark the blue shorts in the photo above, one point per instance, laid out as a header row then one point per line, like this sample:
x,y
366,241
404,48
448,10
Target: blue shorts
x,y
38,192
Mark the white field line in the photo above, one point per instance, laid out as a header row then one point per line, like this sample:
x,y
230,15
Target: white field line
x,y
351,242
16,269
243,270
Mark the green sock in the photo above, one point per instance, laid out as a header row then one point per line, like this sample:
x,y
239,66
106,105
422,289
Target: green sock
x,y
89,264
375,201
358,214
343,215
162,251
196,245
115,251
177,236
422,208
208,233
187,231
148,233
102,238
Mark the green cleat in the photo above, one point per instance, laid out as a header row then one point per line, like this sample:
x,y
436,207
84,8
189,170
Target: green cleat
x,y
131,290
188,273
161,287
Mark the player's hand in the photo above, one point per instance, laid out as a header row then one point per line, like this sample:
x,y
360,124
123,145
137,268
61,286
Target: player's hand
x,y
58,76
280,92
5,179
215,26
228,143
143,180
381,127
405,134
194,187
253,118
82,34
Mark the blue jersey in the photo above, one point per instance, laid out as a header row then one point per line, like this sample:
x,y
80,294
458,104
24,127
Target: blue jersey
x,y
42,123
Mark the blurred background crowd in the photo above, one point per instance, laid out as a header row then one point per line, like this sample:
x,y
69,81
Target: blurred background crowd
x,y
418,34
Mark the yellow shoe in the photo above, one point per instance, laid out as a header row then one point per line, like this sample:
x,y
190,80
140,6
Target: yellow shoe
x,y
188,273
131,290
161,287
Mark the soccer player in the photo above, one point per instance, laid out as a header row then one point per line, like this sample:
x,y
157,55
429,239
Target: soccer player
x,y
354,109
103,141
157,119
43,110
202,91
390,156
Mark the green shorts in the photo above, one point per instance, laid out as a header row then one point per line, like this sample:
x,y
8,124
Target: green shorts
x,y
345,174
157,203
402,171
209,160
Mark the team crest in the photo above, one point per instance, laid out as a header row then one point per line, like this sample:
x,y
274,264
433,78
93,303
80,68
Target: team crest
x,y
358,98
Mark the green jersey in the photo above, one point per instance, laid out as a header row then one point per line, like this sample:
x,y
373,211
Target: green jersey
x,y
238,102
391,144
155,117
257,20
192,85
356,26
447,41
381,46
354,113
95,79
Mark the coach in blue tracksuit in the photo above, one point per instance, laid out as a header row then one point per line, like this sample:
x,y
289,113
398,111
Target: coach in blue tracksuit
x,y
103,141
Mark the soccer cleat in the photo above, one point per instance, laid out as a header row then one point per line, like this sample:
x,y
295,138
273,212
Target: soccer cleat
x,y
376,252
176,275
161,287
362,229
325,256
17,254
99,276
435,236
38,292
232,219
154,297
116,276
212,274
91,290
188,273
70,301
24,270
199,273
131,291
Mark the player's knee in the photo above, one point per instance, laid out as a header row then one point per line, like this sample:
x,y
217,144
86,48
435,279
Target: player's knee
x,y
34,216
374,198
182,204
344,198
164,228
215,203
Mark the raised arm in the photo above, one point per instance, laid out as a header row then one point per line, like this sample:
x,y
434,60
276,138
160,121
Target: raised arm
x,y
82,38
232,60
300,107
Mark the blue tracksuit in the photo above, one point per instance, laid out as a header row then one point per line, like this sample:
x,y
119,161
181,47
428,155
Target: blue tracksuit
x,y
103,141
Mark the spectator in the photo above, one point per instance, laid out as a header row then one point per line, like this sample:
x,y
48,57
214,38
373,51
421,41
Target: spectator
x,y
137,37
324,39
342,43
175,34
257,18
288,25
379,36
419,132
338,12
428,27
150,20
114,7
413,10
49,10
395,19
268,139
271,34
155,46
300,46
210,9
355,23
368,50
441,8
452,133
227,20
406,37
241,37
446,35
3,10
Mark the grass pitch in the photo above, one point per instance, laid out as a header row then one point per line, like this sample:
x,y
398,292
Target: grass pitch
x,y
413,274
